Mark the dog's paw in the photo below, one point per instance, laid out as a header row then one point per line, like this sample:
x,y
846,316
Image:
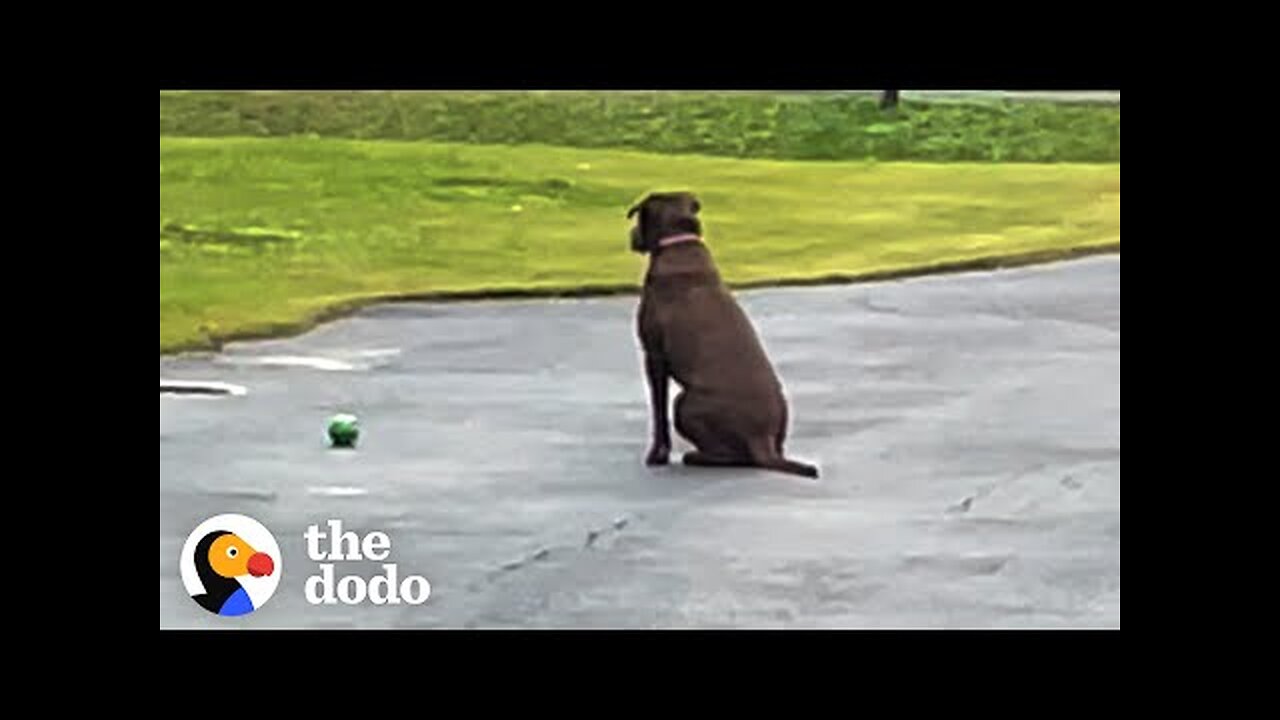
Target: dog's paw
x,y
658,455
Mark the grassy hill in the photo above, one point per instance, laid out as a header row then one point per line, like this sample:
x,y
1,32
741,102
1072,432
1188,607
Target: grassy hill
x,y
260,236
784,126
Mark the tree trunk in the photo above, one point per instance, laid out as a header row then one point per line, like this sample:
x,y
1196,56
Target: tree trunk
x,y
889,99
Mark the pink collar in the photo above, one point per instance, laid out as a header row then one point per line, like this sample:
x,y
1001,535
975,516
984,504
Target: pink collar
x,y
674,239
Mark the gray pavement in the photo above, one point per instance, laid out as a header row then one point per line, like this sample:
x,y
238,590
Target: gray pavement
x,y
967,427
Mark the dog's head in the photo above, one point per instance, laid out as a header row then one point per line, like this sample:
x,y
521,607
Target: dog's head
x,y
662,215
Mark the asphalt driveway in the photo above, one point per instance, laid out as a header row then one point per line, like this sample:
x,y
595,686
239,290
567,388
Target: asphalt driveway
x,y
967,427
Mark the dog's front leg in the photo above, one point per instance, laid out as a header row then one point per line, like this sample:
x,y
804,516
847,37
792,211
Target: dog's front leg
x,y
655,367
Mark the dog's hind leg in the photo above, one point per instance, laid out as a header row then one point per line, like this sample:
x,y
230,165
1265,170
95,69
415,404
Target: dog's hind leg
x,y
782,430
697,458
698,427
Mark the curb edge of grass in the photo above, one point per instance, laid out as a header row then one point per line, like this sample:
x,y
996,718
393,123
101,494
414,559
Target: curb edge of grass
x,y
345,308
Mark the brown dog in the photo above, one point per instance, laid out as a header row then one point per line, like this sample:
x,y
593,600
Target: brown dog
x,y
731,407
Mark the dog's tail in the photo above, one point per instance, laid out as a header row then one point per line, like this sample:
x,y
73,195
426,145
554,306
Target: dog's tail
x,y
767,456
793,467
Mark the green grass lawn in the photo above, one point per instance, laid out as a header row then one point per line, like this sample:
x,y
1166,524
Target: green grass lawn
x,y
261,236
783,126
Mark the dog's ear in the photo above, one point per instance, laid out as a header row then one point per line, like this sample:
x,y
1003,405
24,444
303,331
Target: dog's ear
x,y
634,209
695,206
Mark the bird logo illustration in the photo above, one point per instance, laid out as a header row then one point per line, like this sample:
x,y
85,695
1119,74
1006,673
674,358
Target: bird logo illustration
x,y
221,557
230,565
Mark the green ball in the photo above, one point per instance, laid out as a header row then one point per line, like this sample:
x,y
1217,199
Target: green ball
x,y
344,430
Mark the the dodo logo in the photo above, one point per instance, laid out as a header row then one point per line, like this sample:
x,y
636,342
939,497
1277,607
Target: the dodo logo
x,y
230,565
